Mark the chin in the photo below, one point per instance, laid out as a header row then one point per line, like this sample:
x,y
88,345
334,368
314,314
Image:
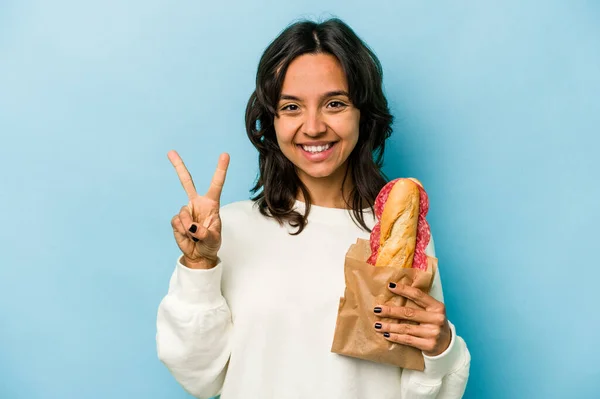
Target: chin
x,y
319,172
318,175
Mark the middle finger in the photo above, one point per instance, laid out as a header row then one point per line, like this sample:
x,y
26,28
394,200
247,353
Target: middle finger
x,y
184,175
406,313
417,330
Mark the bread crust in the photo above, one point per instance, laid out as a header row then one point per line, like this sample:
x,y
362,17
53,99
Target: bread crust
x,y
399,222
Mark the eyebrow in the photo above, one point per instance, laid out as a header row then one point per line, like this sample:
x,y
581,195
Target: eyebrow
x,y
326,95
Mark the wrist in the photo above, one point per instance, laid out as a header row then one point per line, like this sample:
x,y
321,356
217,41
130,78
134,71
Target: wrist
x,y
445,344
202,263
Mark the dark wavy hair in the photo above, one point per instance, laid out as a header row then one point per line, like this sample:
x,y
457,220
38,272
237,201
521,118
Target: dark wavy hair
x,y
278,184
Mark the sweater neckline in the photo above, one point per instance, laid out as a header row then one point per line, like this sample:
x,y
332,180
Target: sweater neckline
x,y
325,214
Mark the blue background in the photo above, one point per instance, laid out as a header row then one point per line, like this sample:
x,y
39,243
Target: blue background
x,y
497,107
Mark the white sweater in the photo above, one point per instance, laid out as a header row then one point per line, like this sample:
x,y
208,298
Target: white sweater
x,y
261,323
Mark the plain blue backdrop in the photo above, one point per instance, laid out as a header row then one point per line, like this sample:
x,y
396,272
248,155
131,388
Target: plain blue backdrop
x,y
498,113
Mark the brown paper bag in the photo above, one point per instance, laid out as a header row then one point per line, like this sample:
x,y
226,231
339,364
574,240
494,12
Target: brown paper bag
x,y
367,287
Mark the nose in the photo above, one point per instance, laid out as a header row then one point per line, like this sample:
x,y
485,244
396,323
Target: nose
x,y
314,125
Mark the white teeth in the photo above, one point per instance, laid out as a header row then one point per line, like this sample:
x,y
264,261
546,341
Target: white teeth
x,y
318,148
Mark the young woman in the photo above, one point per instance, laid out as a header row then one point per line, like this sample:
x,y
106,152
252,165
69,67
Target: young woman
x,y
253,300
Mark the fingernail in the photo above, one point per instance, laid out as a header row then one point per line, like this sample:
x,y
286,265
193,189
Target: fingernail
x,y
386,334
193,228
195,239
377,310
392,285
378,325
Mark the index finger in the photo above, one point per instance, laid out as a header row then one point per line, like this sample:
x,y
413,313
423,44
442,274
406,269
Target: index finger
x,y
218,180
416,295
184,175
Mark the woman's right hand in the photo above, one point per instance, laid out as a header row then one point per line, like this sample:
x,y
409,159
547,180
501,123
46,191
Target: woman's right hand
x,y
197,226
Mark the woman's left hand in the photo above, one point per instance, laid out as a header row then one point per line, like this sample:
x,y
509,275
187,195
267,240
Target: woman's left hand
x,y
432,335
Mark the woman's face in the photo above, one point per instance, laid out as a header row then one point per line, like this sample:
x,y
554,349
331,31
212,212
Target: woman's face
x,y
317,125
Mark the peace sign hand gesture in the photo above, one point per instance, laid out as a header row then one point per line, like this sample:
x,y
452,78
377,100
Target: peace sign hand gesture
x,y
197,226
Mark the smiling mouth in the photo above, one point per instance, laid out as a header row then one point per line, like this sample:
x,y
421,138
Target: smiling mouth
x,y
316,149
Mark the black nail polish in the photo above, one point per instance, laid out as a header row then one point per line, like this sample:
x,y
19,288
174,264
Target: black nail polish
x,y
377,310
195,239
193,228
378,325
386,334
392,285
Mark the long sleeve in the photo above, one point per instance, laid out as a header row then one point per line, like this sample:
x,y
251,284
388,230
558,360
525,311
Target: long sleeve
x,y
193,330
446,375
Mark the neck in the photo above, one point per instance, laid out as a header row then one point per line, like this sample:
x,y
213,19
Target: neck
x,y
328,191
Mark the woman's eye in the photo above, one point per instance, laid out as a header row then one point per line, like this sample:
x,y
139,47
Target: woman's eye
x,y
290,107
336,104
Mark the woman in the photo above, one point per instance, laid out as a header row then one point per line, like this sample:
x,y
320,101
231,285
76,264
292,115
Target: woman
x,y
252,303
